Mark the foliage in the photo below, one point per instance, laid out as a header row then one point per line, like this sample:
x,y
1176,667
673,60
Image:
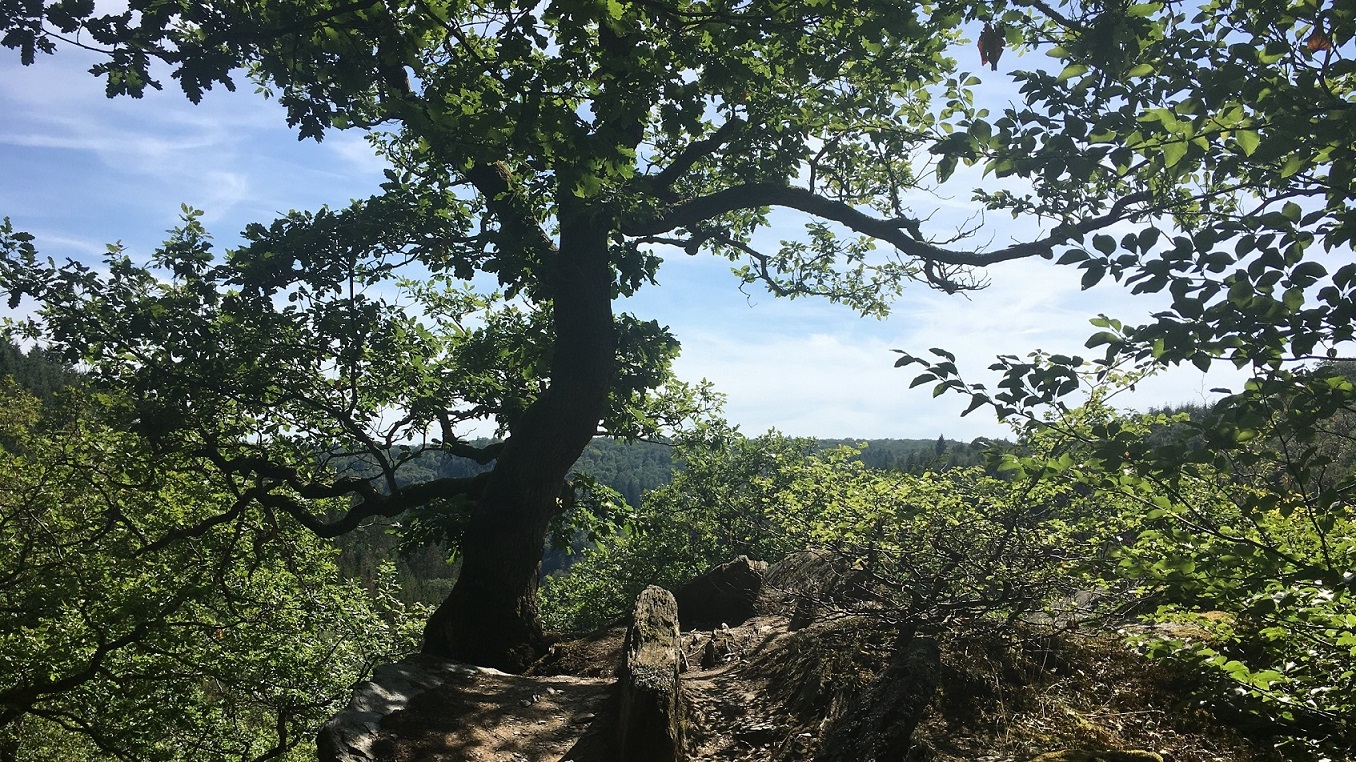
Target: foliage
x,y
565,148
915,456
921,549
1240,115
1246,569
717,506
147,613
631,469
34,371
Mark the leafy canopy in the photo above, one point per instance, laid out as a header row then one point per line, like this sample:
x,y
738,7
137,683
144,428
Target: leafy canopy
x,y
561,149
149,613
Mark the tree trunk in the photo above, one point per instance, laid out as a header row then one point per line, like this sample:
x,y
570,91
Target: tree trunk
x,y
491,617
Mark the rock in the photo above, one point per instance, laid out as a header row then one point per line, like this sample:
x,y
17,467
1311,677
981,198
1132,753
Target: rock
x,y
349,736
806,585
759,733
1111,755
879,726
804,614
651,723
727,594
717,651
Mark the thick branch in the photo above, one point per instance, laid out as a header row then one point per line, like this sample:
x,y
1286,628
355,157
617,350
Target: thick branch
x,y
481,455
380,505
371,501
691,154
1050,11
517,222
894,232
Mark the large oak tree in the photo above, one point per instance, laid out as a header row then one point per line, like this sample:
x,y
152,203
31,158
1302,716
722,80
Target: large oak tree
x,y
565,148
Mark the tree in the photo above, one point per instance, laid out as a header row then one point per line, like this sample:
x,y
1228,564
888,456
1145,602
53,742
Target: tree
x,y
32,371
1245,552
146,613
562,148
1246,510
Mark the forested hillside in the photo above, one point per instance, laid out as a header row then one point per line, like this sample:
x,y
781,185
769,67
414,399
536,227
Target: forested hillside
x,y
631,469
425,572
37,372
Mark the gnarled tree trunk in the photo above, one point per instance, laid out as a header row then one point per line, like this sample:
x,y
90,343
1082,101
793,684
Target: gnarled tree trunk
x,y
491,617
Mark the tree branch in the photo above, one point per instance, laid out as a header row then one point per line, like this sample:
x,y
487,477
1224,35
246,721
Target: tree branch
x,y
1050,11
481,455
691,154
371,501
380,505
896,232
517,222
18,700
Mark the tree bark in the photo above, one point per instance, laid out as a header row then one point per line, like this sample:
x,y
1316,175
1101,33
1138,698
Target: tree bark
x,y
491,616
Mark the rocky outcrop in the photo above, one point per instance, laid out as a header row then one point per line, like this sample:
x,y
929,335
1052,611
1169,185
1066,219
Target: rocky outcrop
x,y
350,735
727,594
843,686
651,726
879,726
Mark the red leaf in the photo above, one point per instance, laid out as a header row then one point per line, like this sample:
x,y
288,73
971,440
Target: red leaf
x,y
990,46
1318,40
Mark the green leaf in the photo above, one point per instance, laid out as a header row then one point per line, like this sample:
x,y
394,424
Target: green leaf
x,y
946,166
1174,152
1071,71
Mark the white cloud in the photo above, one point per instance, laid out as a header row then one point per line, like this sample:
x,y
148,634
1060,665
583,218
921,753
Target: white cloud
x,y
224,191
810,368
356,154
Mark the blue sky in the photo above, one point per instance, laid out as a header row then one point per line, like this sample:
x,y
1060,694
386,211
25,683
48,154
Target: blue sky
x,y
79,171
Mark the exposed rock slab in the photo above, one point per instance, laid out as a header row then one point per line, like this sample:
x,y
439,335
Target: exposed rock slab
x,y
426,709
350,736
651,726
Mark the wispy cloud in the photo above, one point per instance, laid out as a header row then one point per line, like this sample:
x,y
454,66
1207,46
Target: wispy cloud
x,y
356,155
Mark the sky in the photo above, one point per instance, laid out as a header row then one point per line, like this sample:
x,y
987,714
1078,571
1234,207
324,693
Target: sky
x,y
80,171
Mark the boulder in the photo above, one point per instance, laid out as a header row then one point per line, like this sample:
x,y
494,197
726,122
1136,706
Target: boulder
x,y
804,613
651,725
719,649
727,594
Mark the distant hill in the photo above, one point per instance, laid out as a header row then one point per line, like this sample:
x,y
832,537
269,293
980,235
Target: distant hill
x,y
631,468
